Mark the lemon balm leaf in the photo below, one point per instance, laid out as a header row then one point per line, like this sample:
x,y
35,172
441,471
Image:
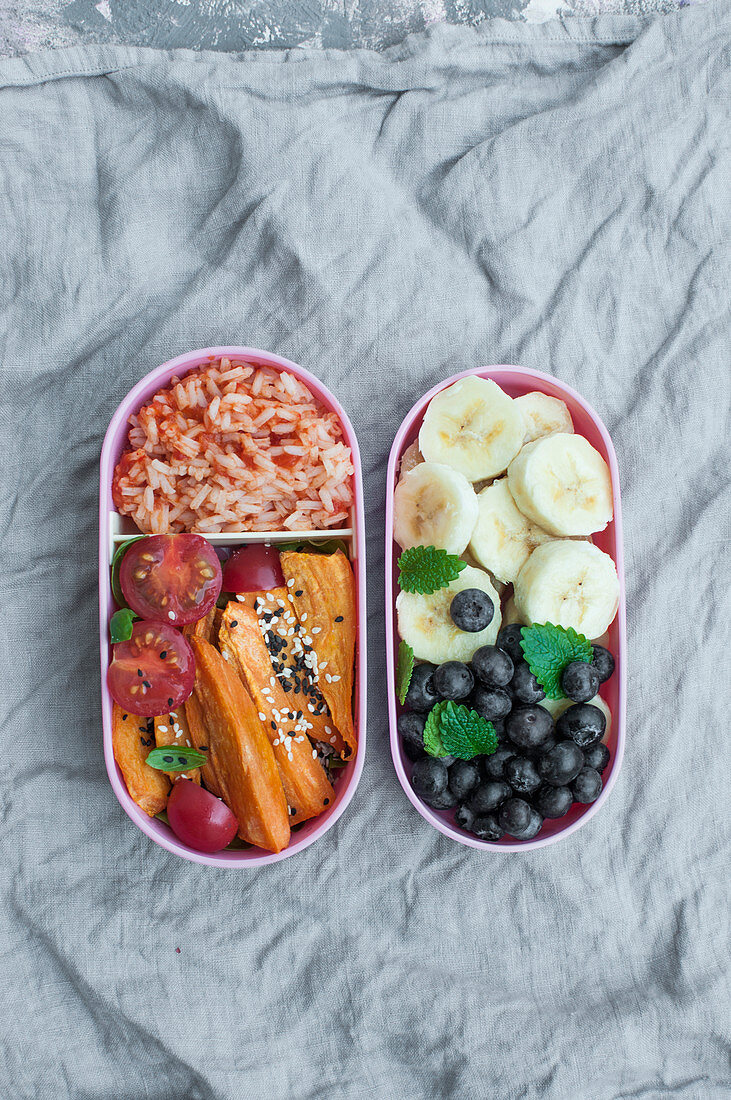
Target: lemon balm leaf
x,y
426,569
548,649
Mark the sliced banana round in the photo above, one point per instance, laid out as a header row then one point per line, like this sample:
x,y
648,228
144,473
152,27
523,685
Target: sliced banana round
x,y
411,457
503,538
511,614
543,415
434,505
473,426
425,623
563,484
568,583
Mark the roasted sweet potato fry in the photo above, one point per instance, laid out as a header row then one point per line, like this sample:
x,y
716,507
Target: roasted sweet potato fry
x,y
131,741
172,729
201,738
306,786
204,628
323,592
239,747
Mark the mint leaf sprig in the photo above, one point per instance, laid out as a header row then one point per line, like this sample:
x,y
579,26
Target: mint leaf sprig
x,y
404,670
426,569
548,649
455,730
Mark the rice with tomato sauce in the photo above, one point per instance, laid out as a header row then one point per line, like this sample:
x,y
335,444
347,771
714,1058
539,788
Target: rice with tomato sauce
x,y
234,447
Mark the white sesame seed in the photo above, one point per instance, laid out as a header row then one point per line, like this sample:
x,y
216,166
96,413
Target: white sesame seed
x,y
317,630
335,679
171,614
328,729
272,681
328,677
262,716
333,740
162,729
290,582
304,617
314,754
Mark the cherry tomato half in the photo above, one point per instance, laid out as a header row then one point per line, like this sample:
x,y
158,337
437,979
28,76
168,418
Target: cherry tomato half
x,y
153,671
173,577
253,568
199,819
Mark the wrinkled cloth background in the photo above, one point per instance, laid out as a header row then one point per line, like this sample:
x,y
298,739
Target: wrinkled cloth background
x,y
556,196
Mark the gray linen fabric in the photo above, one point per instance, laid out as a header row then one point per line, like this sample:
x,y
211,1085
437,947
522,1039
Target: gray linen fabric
x,y
552,195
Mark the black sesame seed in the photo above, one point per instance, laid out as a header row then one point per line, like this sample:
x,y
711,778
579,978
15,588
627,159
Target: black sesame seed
x,y
299,592
234,622
124,717
292,810
273,725
139,672
325,802
339,619
170,702
286,686
143,740
202,748
146,684
168,759
163,655
182,759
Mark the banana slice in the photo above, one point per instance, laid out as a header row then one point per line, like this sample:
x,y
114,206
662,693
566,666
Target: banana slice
x,y
425,623
503,538
543,415
411,457
510,613
434,506
568,583
473,426
563,485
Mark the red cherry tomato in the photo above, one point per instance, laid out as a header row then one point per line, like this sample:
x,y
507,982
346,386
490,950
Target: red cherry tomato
x,y
199,819
153,671
253,568
171,577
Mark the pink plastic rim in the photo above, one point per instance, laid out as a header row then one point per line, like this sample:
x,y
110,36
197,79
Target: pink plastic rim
x,y
516,381
112,447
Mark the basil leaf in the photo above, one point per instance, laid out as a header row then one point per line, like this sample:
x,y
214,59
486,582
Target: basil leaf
x,y
116,563
120,625
173,758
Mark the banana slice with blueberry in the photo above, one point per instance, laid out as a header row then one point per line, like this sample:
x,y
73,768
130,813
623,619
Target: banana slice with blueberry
x,y
451,624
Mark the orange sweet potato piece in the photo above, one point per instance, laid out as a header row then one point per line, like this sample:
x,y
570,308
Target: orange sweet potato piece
x,y
306,786
323,594
201,738
172,729
204,628
131,741
239,747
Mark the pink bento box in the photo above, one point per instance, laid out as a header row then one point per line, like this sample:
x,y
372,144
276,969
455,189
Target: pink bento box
x,y
516,381
113,529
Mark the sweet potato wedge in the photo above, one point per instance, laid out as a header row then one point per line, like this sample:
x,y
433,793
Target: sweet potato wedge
x,y
306,786
277,613
204,628
131,741
323,594
172,729
239,748
201,738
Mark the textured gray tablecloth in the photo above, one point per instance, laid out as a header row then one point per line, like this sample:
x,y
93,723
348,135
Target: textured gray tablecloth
x,y
556,196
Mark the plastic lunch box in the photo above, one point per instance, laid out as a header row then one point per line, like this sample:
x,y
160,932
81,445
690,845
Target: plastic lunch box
x,y
516,381
114,528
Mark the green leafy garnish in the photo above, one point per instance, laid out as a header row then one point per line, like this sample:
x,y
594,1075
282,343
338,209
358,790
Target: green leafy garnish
x,y
404,670
425,569
548,649
328,546
172,758
116,563
455,730
120,625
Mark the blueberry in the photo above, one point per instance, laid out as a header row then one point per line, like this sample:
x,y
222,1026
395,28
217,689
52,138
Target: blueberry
x,y
498,724
529,727
472,610
487,827
562,764
494,766
464,818
524,685
587,786
490,702
596,756
422,695
411,727
603,662
488,796
580,681
429,777
519,819
443,800
453,680
509,640
543,748
463,778
553,801
522,775
492,666
583,723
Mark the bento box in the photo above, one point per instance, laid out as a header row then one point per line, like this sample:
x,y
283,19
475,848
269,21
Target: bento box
x,y
467,796
325,557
